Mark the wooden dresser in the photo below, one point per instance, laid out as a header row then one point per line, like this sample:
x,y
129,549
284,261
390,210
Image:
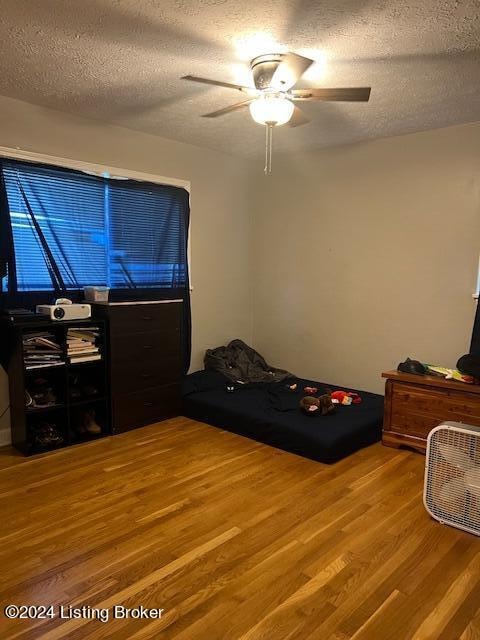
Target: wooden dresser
x,y
145,361
416,404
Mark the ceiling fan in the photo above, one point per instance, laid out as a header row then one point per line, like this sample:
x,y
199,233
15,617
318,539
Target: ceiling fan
x,y
271,99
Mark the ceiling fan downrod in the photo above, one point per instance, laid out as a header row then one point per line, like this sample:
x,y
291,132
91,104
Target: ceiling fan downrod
x,y
268,147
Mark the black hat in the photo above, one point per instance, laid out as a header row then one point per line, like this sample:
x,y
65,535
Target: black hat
x,y
412,366
469,364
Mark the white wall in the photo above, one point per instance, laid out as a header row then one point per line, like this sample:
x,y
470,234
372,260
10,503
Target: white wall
x,y
220,208
367,254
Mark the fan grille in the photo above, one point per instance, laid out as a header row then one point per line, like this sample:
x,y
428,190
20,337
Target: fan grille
x,y
451,452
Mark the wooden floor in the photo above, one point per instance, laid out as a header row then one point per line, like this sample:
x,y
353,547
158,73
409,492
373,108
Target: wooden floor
x,y
233,539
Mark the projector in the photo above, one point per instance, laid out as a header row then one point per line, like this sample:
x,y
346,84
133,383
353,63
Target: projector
x,y
65,311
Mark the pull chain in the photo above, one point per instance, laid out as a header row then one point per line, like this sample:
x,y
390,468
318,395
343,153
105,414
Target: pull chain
x,y
268,147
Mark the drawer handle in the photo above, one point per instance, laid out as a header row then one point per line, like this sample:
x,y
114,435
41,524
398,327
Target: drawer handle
x,y
148,346
146,375
148,404
146,317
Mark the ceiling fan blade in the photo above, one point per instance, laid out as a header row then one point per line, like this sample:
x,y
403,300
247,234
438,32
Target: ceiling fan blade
x,y
217,83
232,107
298,118
354,94
290,70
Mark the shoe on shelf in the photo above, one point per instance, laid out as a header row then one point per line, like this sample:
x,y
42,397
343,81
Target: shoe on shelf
x,y
41,393
91,425
44,399
90,391
74,391
47,435
87,423
75,394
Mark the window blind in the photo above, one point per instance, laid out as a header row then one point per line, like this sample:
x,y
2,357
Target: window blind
x,y
69,211
100,231
147,235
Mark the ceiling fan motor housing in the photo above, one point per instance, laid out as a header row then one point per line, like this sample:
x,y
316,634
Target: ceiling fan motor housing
x,y
263,69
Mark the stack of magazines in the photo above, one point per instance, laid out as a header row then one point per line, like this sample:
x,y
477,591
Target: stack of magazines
x,y
82,344
41,349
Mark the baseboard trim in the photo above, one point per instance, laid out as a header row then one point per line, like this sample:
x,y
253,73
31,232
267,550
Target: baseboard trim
x,y
5,437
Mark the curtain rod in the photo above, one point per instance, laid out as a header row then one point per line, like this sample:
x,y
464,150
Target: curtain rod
x,y
92,168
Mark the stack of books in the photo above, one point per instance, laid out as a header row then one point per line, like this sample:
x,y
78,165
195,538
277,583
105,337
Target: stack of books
x,y
41,349
82,344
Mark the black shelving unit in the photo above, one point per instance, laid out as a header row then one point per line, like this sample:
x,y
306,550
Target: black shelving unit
x,y
69,410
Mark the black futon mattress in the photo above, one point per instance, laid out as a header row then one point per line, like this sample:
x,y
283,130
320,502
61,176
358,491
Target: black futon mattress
x,y
269,413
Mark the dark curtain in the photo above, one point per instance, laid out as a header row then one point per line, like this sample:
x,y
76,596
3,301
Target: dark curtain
x,y
7,251
475,342
187,313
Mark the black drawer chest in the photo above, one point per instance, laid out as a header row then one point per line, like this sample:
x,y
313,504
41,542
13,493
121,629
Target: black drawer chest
x,y
145,361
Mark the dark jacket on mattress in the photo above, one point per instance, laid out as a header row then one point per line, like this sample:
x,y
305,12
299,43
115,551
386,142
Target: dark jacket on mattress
x,y
240,363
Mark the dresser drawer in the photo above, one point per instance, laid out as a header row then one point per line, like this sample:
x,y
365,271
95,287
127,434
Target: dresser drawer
x,y
135,318
145,346
416,410
141,373
145,407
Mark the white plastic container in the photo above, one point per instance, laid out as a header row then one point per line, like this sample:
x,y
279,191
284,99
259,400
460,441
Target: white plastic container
x,y
96,294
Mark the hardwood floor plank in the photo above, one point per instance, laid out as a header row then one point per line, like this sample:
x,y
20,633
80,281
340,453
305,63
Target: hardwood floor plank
x,y
136,587
365,631
432,626
472,630
468,610
278,621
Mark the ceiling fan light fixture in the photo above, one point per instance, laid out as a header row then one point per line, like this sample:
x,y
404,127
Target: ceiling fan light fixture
x,y
275,109
271,99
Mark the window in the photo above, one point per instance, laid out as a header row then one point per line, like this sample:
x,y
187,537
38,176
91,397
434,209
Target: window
x,y
71,229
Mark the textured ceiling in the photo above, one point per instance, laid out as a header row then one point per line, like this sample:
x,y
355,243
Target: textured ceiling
x,y
120,61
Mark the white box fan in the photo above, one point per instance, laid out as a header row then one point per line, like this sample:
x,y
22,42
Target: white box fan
x,y
452,476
